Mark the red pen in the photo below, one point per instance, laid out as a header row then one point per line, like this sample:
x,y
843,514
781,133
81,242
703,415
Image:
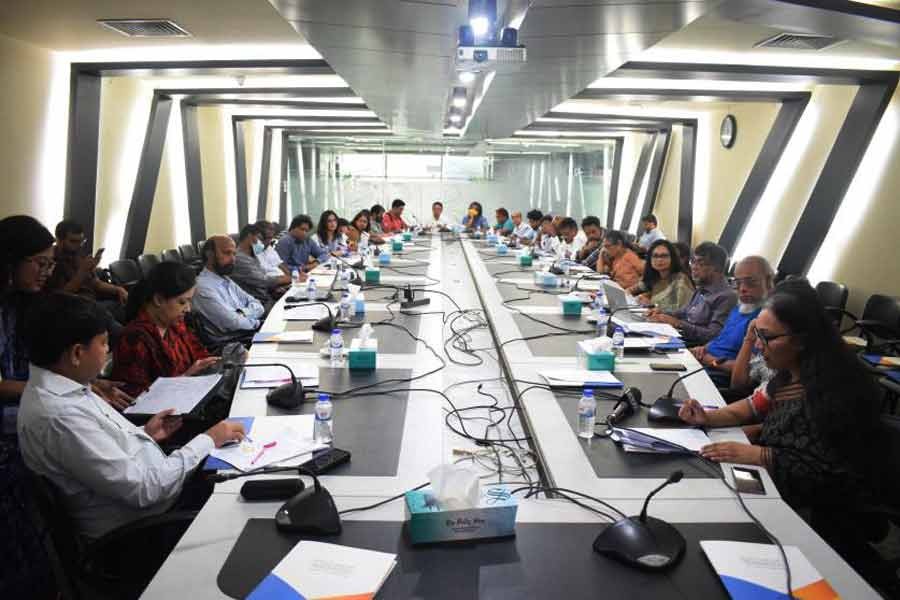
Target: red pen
x,y
262,451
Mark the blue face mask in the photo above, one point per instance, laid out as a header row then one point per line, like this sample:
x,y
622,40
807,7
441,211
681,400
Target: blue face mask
x,y
259,248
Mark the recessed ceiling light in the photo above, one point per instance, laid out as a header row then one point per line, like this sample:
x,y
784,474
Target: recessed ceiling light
x,y
459,97
456,118
480,26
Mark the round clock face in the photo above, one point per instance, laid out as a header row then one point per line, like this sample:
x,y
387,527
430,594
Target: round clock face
x,y
728,131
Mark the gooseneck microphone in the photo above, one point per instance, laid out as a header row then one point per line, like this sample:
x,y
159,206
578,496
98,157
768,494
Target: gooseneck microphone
x,y
325,324
674,477
288,396
665,409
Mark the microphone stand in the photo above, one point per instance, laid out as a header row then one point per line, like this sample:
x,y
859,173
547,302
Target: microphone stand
x,y
288,395
665,408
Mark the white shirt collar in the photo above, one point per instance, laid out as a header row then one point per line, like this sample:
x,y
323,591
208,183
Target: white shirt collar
x,y
54,383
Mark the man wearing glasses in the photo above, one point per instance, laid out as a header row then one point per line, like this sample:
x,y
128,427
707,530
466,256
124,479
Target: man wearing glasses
x,y
753,281
704,316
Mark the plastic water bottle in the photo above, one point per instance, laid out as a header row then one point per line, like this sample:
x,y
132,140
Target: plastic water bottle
x,y
295,277
619,342
344,315
336,348
311,289
323,430
587,414
602,318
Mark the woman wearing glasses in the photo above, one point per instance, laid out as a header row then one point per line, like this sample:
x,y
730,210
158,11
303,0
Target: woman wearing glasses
x,y
664,283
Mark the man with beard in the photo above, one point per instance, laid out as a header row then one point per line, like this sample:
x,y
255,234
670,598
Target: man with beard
x,y
226,307
753,280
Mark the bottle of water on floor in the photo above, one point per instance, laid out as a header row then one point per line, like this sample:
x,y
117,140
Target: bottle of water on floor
x,y
587,414
323,430
619,343
336,348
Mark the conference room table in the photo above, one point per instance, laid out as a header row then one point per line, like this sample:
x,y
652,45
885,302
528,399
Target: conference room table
x,y
399,431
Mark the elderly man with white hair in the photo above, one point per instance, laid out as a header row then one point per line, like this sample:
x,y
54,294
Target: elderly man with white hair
x,y
753,281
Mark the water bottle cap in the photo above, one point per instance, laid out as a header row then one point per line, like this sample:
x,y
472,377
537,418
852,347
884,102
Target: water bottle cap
x,y
336,331
619,328
324,398
588,392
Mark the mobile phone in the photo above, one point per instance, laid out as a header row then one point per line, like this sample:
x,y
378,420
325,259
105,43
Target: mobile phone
x,y
326,460
748,481
673,366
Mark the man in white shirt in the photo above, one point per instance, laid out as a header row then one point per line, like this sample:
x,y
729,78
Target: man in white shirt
x,y
549,241
522,230
651,233
109,471
437,221
269,257
573,238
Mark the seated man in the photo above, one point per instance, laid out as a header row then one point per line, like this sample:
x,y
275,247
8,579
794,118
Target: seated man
x,y
548,243
437,222
593,235
227,308
572,239
504,224
392,221
619,261
651,232
534,217
522,231
753,278
704,316
269,259
296,248
109,471
75,272
249,272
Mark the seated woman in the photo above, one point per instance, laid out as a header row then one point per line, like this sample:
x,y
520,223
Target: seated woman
x,y
475,219
359,229
818,413
156,342
327,235
664,283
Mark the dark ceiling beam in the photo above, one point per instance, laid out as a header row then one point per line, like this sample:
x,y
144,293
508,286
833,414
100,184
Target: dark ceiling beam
x,y
753,73
589,127
311,104
607,117
687,95
309,118
305,134
208,67
270,92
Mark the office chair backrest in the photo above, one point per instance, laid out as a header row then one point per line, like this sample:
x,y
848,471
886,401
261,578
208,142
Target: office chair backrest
x,y
147,262
171,255
125,272
834,298
235,236
884,311
49,513
189,253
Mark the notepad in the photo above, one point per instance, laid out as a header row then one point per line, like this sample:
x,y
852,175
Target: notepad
x,y
659,440
315,570
270,377
645,328
751,571
284,337
580,378
181,393
270,440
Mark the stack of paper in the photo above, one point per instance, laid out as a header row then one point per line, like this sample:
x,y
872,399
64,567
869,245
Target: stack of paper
x,y
270,377
318,570
659,440
750,570
180,393
580,378
646,328
270,440
284,337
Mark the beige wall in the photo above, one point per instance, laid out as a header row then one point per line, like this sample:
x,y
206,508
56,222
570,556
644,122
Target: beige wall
x,y
34,109
217,169
666,209
631,153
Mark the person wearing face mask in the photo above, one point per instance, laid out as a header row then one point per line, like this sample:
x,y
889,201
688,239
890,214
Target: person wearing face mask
x,y
269,258
249,273
228,309
753,280
156,342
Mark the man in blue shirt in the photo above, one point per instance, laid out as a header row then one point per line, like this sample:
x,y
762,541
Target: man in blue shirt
x,y
753,279
504,223
226,307
296,247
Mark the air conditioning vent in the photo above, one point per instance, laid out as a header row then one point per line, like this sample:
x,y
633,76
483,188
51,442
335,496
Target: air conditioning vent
x,y
155,28
798,41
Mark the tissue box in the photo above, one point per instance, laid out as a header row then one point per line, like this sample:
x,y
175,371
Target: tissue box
x,y
492,239
546,279
397,245
495,516
384,258
571,305
502,248
373,275
595,361
407,236
525,260
363,357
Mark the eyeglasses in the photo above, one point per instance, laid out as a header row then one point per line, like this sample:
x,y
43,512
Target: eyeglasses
x,y
43,263
749,281
699,262
661,256
766,338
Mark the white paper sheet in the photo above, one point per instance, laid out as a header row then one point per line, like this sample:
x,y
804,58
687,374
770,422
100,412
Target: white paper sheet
x,y
645,438
269,377
292,435
645,328
180,393
579,377
308,312
284,337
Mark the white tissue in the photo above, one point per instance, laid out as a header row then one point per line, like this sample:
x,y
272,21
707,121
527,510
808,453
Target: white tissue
x,y
454,487
600,344
364,332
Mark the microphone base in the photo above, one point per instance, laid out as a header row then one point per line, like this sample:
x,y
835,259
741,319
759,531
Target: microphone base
x,y
325,325
664,410
287,396
650,545
415,303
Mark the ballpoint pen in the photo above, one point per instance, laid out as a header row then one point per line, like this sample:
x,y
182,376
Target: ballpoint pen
x,y
262,451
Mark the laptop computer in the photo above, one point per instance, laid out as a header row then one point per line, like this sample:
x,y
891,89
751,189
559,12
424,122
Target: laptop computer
x,y
617,298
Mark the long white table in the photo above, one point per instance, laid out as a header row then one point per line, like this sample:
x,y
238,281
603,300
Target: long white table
x,y
192,568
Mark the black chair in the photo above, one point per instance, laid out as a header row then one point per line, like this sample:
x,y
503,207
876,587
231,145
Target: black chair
x,y
190,254
879,325
211,338
834,298
125,272
89,569
171,255
147,262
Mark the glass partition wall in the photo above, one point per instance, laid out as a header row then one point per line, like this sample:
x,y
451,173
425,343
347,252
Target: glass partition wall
x,y
322,175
